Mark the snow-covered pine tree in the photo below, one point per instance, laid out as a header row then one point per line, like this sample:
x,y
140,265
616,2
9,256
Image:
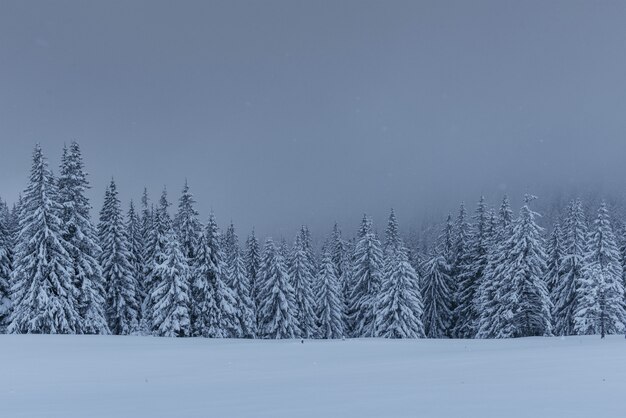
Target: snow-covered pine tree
x,y
239,282
161,229
566,295
601,307
523,303
399,308
366,279
147,221
122,310
460,258
5,267
392,235
253,267
230,244
555,258
330,305
44,299
82,242
245,304
170,315
136,251
498,248
437,296
301,272
471,275
277,310
186,223
214,311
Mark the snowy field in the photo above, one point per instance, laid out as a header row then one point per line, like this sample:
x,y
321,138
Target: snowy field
x,y
84,376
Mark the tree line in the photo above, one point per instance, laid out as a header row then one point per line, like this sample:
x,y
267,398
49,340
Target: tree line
x,y
142,271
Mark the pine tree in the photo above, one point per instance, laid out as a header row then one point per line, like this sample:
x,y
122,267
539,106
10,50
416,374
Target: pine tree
x,y
399,309
146,220
499,245
214,313
44,299
245,304
5,268
81,242
436,292
601,307
277,308
238,280
460,258
186,223
566,294
122,310
470,275
170,316
253,267
555,258
230,244
523,303
156,252
340,256
301,273
136,252
392,235
366,280
329,299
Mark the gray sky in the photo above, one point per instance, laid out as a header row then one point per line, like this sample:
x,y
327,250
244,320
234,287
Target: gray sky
x,y
288,112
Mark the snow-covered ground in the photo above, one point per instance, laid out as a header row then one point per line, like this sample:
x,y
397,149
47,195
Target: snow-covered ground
x,y
91,376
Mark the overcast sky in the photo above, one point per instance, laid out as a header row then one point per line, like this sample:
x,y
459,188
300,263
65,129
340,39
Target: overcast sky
x,y
288,112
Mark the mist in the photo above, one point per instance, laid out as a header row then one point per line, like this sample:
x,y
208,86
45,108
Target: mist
x,y
283,113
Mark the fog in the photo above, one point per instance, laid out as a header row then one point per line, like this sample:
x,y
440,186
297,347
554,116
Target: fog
x,y
281,113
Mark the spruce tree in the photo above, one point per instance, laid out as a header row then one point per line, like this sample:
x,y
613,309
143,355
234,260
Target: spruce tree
x,y
136,251
253,267
366,280
161,229
330,305
523,303
186,223
44,297
277,310
5,270
601,307
437,296
301,272
170,315
245,305
146,220
214,312
122,309
555,258
566,294
471,274
239,282
460,258
498,247
81,242
399,309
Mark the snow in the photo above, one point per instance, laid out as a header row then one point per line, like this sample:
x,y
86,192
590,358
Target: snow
x,y
109,376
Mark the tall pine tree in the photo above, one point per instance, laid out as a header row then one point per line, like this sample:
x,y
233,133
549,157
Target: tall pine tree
x,y
301,273
116,259
44,297
82,243
601,307
277,310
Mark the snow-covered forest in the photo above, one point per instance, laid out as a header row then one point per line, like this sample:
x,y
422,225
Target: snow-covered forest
x,y
155,268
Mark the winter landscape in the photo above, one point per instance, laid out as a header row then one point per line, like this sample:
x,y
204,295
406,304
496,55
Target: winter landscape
x,y
303,209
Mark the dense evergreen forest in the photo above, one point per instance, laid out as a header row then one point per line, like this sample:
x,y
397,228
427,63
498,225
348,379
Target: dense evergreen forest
x,y
494,273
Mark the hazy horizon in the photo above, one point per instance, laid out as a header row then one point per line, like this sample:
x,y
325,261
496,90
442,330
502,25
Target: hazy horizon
x,y
285,113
